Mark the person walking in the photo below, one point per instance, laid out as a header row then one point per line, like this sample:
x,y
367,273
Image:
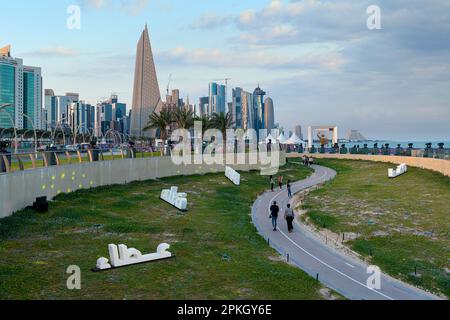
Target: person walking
x,y
289,216
289,189
274,210
272,183
280,182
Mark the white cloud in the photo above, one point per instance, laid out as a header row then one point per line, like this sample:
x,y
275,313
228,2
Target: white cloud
x,y
210,20
54,52
331,60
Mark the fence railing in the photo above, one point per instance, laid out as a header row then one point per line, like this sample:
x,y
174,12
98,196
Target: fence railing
x,y
11,162
434,153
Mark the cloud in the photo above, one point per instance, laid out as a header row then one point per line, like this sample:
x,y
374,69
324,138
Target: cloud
x,y
135,7
54,52
210,20
329,60
131,7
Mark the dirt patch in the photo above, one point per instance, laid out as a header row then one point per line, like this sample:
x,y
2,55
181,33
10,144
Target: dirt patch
x,y
327,294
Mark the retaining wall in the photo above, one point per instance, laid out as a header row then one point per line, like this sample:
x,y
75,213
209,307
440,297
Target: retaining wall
x,y
20,189
439,165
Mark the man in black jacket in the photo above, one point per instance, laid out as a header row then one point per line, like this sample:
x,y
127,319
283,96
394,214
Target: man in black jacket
x,y
274,210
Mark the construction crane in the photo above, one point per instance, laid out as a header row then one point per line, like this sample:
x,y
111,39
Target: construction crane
x,y
168,83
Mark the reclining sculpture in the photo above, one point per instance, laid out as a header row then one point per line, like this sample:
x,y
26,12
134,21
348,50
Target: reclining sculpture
x,y
401,169
121,256
178,200
234,176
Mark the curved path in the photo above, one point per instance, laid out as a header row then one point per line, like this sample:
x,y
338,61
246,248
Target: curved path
x,y
337,271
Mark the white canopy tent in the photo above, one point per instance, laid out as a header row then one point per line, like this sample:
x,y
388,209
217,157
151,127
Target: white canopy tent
x,y
282,139
294,140
270,139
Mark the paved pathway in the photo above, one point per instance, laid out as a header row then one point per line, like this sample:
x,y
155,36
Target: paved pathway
x,y
334,269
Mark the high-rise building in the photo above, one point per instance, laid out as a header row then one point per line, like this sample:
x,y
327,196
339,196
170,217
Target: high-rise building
x,y
21,91
32,98
80,117
146,94
111,114
57,109
217,98
49,109
203,106
298,131
258,104
236,108
269,115
248,111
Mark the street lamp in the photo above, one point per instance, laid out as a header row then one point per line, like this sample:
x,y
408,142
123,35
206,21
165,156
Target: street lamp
x,y
2,107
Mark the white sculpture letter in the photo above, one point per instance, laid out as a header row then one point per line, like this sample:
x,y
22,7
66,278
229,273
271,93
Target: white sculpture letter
x,y
178,200
401,169
121,256
234,176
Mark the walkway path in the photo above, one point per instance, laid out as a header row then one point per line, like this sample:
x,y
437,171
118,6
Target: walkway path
x,y
337,271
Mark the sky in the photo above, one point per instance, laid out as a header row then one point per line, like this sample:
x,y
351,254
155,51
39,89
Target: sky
x,y
317,59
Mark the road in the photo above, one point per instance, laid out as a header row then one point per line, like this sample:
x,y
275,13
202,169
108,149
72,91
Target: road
x,y
334,269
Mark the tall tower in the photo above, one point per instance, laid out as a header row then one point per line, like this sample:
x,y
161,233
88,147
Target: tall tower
x,y
269,114
146,94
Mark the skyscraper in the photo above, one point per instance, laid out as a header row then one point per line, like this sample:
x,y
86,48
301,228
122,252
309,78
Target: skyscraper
x,y
236,108
269,114
298,131
203,106
258,104
217,98
248,111
21,90
146,94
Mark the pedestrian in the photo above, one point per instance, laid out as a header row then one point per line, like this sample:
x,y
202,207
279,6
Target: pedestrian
x,y
274,210
289,216
289,189
280,182
272,183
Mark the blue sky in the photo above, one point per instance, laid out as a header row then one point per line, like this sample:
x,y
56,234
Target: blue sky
x,y
316,58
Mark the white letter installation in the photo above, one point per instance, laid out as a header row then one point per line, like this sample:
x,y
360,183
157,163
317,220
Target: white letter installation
x,y
234,176
401,169
178,200
123,256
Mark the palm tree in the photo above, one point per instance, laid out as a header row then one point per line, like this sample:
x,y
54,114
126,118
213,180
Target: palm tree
x,y
184,119
206,122
160,121
222,122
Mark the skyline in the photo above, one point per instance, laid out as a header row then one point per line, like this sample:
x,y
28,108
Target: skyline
x,y
311,62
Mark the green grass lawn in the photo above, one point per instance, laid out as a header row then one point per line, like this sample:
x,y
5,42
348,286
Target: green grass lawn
x,y
403,222
36,249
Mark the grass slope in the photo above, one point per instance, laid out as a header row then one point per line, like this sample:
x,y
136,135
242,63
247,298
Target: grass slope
x,y
403,222
36,249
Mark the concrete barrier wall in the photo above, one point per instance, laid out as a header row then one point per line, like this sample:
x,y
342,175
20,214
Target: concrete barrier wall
x,y
442,166
20,189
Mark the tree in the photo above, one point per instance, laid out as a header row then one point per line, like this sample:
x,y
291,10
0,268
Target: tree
x,y
184,119
222,122
206,122
160,121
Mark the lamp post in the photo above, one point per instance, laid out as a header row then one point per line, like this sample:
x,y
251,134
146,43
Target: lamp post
x,y
34,129
2,107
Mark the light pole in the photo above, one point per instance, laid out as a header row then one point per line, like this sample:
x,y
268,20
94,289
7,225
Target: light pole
x,y
34,129
2,107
